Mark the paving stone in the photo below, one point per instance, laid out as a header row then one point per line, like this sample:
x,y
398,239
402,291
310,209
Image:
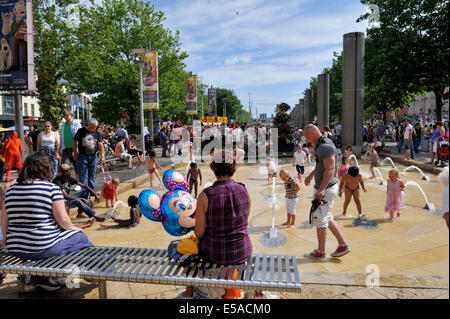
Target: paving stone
x,y
365,293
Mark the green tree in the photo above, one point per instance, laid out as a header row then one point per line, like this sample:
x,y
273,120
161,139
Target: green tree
x,y
101,61
233,104
335,72
408,53
49,61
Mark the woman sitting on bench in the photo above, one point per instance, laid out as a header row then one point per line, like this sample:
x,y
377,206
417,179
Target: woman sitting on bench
x,y
35,223
222,221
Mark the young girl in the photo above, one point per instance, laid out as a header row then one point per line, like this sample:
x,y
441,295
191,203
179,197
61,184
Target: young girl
x,y
394,200
109,192
193,175
351,181
151,163
343,169
348,151
271,169
135,216
374,159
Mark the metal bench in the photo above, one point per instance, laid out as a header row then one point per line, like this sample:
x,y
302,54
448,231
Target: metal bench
x,y
153,266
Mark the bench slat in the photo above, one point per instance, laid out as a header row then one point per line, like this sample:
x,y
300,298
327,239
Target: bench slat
x,y
154,266
132,264
145,258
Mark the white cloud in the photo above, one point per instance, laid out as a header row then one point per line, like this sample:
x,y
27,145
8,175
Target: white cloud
x,y
250,44
237,59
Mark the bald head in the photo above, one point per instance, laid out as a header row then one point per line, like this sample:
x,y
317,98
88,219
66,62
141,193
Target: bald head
x,y
312,134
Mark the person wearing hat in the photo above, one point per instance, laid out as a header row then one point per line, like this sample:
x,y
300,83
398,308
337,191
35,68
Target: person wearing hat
x,y
65,180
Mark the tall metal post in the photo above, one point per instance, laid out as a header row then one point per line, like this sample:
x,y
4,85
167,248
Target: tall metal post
x,y
19,120
141,65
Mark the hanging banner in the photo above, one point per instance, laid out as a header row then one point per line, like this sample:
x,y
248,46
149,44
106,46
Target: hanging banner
x,y
17,51
191,98
150,81
212,101
214,119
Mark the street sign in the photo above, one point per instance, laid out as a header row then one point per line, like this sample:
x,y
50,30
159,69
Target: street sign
x,y
214,119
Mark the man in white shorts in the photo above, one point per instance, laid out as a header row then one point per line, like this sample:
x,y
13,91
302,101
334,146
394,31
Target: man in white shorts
x,y
326,189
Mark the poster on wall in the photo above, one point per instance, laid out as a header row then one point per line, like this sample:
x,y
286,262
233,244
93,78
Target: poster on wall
x,y
150,81
212,101
17,51
191,97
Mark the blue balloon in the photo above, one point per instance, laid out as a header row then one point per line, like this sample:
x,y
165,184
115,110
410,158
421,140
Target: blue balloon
x,y
150,210
175,210
173,179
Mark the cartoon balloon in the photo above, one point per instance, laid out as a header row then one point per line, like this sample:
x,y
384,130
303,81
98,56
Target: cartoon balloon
x,y
175,209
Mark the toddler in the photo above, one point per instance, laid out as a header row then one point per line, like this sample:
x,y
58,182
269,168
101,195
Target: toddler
x,y
374,159
292,189
343,169
109,191
193,175
351,181
135,216
152,163
394,200
348,151
299,162
271,169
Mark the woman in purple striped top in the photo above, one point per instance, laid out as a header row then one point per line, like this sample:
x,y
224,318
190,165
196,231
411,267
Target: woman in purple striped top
x,y
222,217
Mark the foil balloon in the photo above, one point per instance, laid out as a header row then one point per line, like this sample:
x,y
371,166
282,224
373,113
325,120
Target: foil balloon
x,y
175,209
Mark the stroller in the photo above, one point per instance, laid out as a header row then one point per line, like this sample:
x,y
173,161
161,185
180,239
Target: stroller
x,y
442,153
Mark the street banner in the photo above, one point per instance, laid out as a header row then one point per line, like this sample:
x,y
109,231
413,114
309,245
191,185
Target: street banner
x,y
17,51
191,97
212,101
150,81
214,119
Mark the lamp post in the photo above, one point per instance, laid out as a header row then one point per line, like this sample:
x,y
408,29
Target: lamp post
x,y
140,64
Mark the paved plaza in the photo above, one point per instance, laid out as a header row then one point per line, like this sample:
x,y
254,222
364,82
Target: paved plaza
x,y
411,254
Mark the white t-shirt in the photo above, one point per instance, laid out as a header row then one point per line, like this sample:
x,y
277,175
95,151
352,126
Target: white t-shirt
x,y
300,158
445,200
406,134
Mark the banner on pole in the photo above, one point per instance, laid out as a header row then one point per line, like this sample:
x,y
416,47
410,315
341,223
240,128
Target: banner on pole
x,y
212,101
150,84
191,98
17,51
215,119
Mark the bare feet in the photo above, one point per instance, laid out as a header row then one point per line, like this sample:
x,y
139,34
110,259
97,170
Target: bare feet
x,y
87,224
291,226
285,224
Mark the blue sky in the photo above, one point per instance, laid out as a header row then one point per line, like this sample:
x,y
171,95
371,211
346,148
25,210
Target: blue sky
x,y
267,48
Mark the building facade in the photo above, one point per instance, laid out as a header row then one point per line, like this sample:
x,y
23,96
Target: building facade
x,y
80,104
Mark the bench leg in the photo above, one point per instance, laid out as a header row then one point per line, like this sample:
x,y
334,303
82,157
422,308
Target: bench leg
x,y
102,289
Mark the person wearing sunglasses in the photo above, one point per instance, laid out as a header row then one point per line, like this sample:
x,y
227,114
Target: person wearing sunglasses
x,y
49,142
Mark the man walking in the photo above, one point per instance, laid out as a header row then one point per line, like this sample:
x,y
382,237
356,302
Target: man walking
x,y
326,190
68,130
86,143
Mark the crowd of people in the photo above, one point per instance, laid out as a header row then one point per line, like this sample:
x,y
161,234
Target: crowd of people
x,y
223,208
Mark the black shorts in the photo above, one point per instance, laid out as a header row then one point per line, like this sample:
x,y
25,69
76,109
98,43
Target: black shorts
x,y
300,169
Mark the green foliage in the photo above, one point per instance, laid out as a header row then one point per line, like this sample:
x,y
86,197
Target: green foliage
x,y
48,62
408,54
227,97
282,118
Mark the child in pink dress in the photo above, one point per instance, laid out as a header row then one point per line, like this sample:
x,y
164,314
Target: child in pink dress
x,y
394,200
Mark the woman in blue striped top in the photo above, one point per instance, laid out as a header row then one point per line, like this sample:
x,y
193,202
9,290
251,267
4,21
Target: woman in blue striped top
x,y
34,223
